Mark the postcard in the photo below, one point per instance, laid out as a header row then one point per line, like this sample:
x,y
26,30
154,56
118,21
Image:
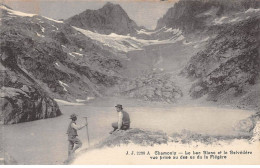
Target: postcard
x,y
130,82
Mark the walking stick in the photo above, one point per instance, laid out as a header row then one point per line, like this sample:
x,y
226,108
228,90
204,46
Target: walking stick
x,y
86,118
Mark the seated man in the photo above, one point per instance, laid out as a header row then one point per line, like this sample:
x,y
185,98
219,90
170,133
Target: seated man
x,y
123,119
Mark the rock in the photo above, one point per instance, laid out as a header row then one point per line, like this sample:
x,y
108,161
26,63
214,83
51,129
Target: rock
x,y
25,88
26,106
248,124
256,133
23,100
245,125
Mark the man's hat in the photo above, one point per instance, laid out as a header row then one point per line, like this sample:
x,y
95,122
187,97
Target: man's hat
x,y
119,105
73,116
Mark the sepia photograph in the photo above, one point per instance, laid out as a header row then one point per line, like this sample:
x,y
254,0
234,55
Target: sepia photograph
x,y
130,82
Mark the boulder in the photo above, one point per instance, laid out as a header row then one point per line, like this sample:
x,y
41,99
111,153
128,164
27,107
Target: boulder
x,y
256,133
248,124
25,104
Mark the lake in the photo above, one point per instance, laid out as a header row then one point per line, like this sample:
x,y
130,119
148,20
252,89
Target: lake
x,y
45,141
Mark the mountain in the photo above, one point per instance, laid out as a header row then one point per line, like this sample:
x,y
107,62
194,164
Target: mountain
x,y
225,69
111,18
43,59
196,15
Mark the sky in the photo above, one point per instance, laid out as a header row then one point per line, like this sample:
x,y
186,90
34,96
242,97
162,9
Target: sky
x,y
144,12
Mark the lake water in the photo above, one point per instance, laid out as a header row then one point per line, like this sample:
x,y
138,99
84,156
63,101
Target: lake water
x,y
45,141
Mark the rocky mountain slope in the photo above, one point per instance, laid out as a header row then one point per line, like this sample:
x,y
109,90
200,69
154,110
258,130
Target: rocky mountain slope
x,y
155,87
197,15
22,99
41,59
111,18
226,68
65,62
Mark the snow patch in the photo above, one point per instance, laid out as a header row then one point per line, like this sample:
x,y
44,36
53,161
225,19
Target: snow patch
x,y
55,27
57,21
219,20
13,12
80,100
252,10
57,64
119,42
64,85
143,31
127,43
63,102
40,35
72,55
90,98
43,29
87,99
235,19
205,39
77,54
